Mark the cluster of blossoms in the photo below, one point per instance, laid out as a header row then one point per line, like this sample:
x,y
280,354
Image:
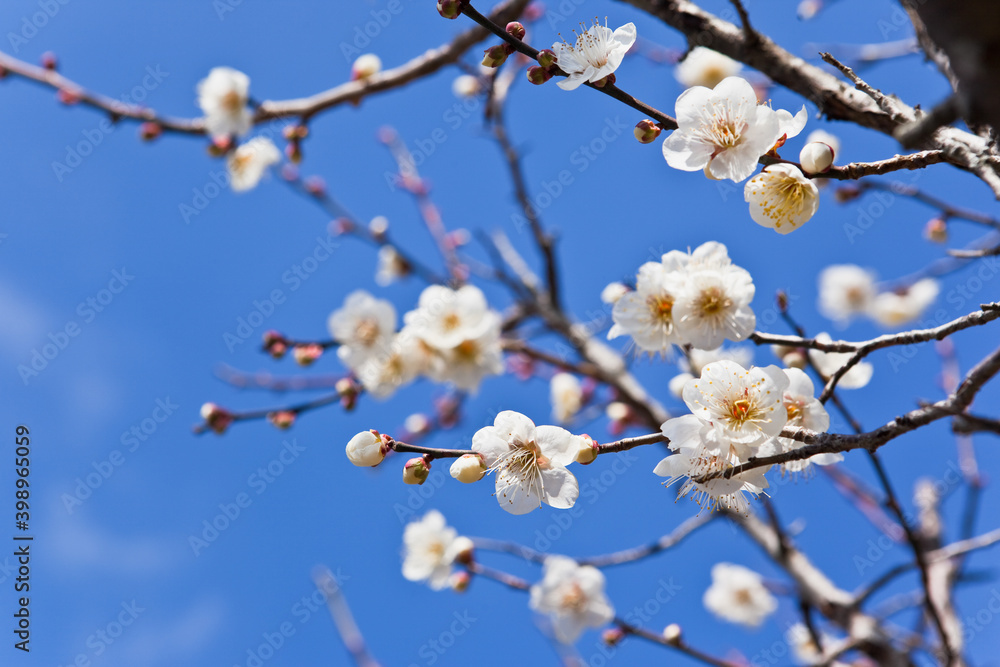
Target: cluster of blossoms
x,y
847,290
452,336
572,595
738,414
699,299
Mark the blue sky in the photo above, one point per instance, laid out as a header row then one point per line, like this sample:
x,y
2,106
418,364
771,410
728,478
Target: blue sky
x,y
176,287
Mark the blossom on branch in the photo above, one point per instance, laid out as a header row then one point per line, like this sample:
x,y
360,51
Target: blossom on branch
x,y
573,596
738,595
845,290
529,463
828,363
781,198
429,549
363,326
804,411
905,305
223,98
705,67
249,161
596,53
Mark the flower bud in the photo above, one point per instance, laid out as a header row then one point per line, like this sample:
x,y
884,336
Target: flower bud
x,y
366,449
538,75
219,146
672,633
365,66
466,85
282,419
613,636
295,132
293,151
609,80
416,470
275,344
49,60
646,131
378,226
150,130
216,418
464,550
459,581
515,30
315,185
613,291
450,9
547,58
588,450
781,299
816,157
417,424
68,97
468,468
936,230
495,56
348,390
307,353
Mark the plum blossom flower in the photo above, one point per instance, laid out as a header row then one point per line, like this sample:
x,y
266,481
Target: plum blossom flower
x,y
445,317
705,67
700,451
397,362
646,314
696,359
738,595
429,549
804,411
828,363
744,406
247,164
845,290
566,394
573,595
596,53
363,326
529,463
714,306
223,97
722,130
472,359
892,309
781,198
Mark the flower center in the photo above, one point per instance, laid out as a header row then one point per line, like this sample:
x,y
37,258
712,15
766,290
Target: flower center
x,y
232,101
574,599
795,412
451,321
661,307
743,597
367,332
467,351
713,301
740,409
520,469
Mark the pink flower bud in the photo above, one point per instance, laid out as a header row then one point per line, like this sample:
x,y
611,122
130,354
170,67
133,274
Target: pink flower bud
x,y
216,418
538,75
49,60
495,56
149,131
646,131
613,636
450,9
459,581
515,30
282,419
307,353
416,471
936,230
547,58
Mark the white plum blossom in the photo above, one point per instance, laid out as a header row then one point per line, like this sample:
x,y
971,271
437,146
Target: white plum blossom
x,y
744,406
467,363
790,126
828,363
892,309
738,595
247,164
698,451
573,596
566,395
646,314
705,67
845,290
429,549
714,306
613,291
804,411
696,359
396,362
529,463
597,52
223,97
363,327
466,85
722,130
781,198
445,317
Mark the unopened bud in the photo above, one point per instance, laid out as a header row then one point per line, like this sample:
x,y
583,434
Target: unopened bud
x,y
216,418
416,470
378,226
417,424
538,75
613,636
275,344
450,9
936,230
293,151
315,185
495,56
219,146
515,30
365,66
49,60
295,132
672,633
150,130
307,353
781,298
464,550
588,450
282,419
367,449
68,97
816,157
468,468
459,581
646,131
547,58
